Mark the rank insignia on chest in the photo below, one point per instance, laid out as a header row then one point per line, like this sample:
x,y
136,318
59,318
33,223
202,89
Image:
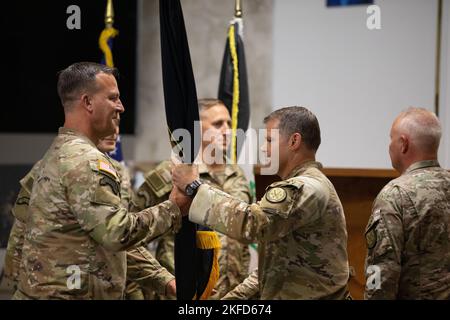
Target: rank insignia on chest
x,y
276,195
371,238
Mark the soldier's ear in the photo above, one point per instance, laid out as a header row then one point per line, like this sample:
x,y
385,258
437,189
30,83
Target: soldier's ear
x,y
87,103
295,141
404,144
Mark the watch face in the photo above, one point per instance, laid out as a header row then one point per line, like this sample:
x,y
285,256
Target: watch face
x,y
189,191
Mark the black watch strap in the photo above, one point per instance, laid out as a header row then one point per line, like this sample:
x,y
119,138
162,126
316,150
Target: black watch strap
x,y
191,189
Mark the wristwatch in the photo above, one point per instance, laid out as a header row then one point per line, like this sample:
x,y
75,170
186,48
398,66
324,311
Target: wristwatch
x,y
191,189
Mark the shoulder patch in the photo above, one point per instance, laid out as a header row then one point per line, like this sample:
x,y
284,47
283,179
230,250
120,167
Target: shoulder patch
x,y
276,195
159,181
106,167
371,238
371,231
281,196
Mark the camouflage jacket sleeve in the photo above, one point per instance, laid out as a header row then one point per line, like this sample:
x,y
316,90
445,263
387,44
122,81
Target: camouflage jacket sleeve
x,y
144,269
94,198
384,237
248,289
13,254
165,252
286,206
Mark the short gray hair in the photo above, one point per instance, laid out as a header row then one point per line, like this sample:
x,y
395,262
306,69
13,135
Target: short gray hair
x,y
423,127
298,120
79,76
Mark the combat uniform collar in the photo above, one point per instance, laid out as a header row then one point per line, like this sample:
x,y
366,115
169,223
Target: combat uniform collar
x,y
303,167
74,133
423,164
229,169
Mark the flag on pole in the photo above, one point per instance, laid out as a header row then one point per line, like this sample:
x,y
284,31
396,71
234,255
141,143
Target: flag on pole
x,y
106,44
196,249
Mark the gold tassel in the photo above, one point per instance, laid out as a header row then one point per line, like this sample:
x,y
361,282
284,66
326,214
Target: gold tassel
x,y
235,104
210,240
107,33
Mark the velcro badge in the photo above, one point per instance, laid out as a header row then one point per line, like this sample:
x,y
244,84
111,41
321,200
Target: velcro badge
x,y
371,231
113,184
159,183
276,195
281,196
104,166
371,238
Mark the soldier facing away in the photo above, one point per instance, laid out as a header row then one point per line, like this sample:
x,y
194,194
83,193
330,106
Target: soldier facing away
x,y
408,233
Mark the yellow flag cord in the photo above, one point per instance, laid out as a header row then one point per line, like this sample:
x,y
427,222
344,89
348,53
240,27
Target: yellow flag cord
x,y
235,103
210,240
107,33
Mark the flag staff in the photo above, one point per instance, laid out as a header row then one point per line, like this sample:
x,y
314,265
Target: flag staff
x,y
109,14
238,8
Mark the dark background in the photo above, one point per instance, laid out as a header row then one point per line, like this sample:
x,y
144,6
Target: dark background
x,y
36,44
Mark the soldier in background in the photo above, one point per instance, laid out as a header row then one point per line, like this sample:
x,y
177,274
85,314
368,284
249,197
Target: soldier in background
x,y
78,228
299,224
234,258
143,270
408,233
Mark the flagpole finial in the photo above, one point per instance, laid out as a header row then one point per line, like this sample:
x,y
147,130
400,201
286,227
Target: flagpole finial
x,y
238,9
109,14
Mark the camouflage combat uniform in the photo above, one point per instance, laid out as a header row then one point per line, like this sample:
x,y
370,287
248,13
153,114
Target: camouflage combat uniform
x,y
142,268
78,223
234,257
408,236
13,254
247,290
300,228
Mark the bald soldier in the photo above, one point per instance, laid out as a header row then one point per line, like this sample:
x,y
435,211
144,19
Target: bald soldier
x,y
299,224
78,229
408,233
234,257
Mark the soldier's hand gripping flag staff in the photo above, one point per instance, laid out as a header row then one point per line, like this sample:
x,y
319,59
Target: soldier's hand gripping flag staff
x,y
196,251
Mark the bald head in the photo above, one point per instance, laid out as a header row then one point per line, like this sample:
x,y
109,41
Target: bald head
x,y
423,128
415,136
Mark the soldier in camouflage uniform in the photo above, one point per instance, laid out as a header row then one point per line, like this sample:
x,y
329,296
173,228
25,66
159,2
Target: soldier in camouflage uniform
x,y
299,224
78,227
234,257
143,270
408,233
142,267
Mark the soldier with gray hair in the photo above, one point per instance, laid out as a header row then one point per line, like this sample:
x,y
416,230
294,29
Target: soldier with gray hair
x,y
408,233
299,223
